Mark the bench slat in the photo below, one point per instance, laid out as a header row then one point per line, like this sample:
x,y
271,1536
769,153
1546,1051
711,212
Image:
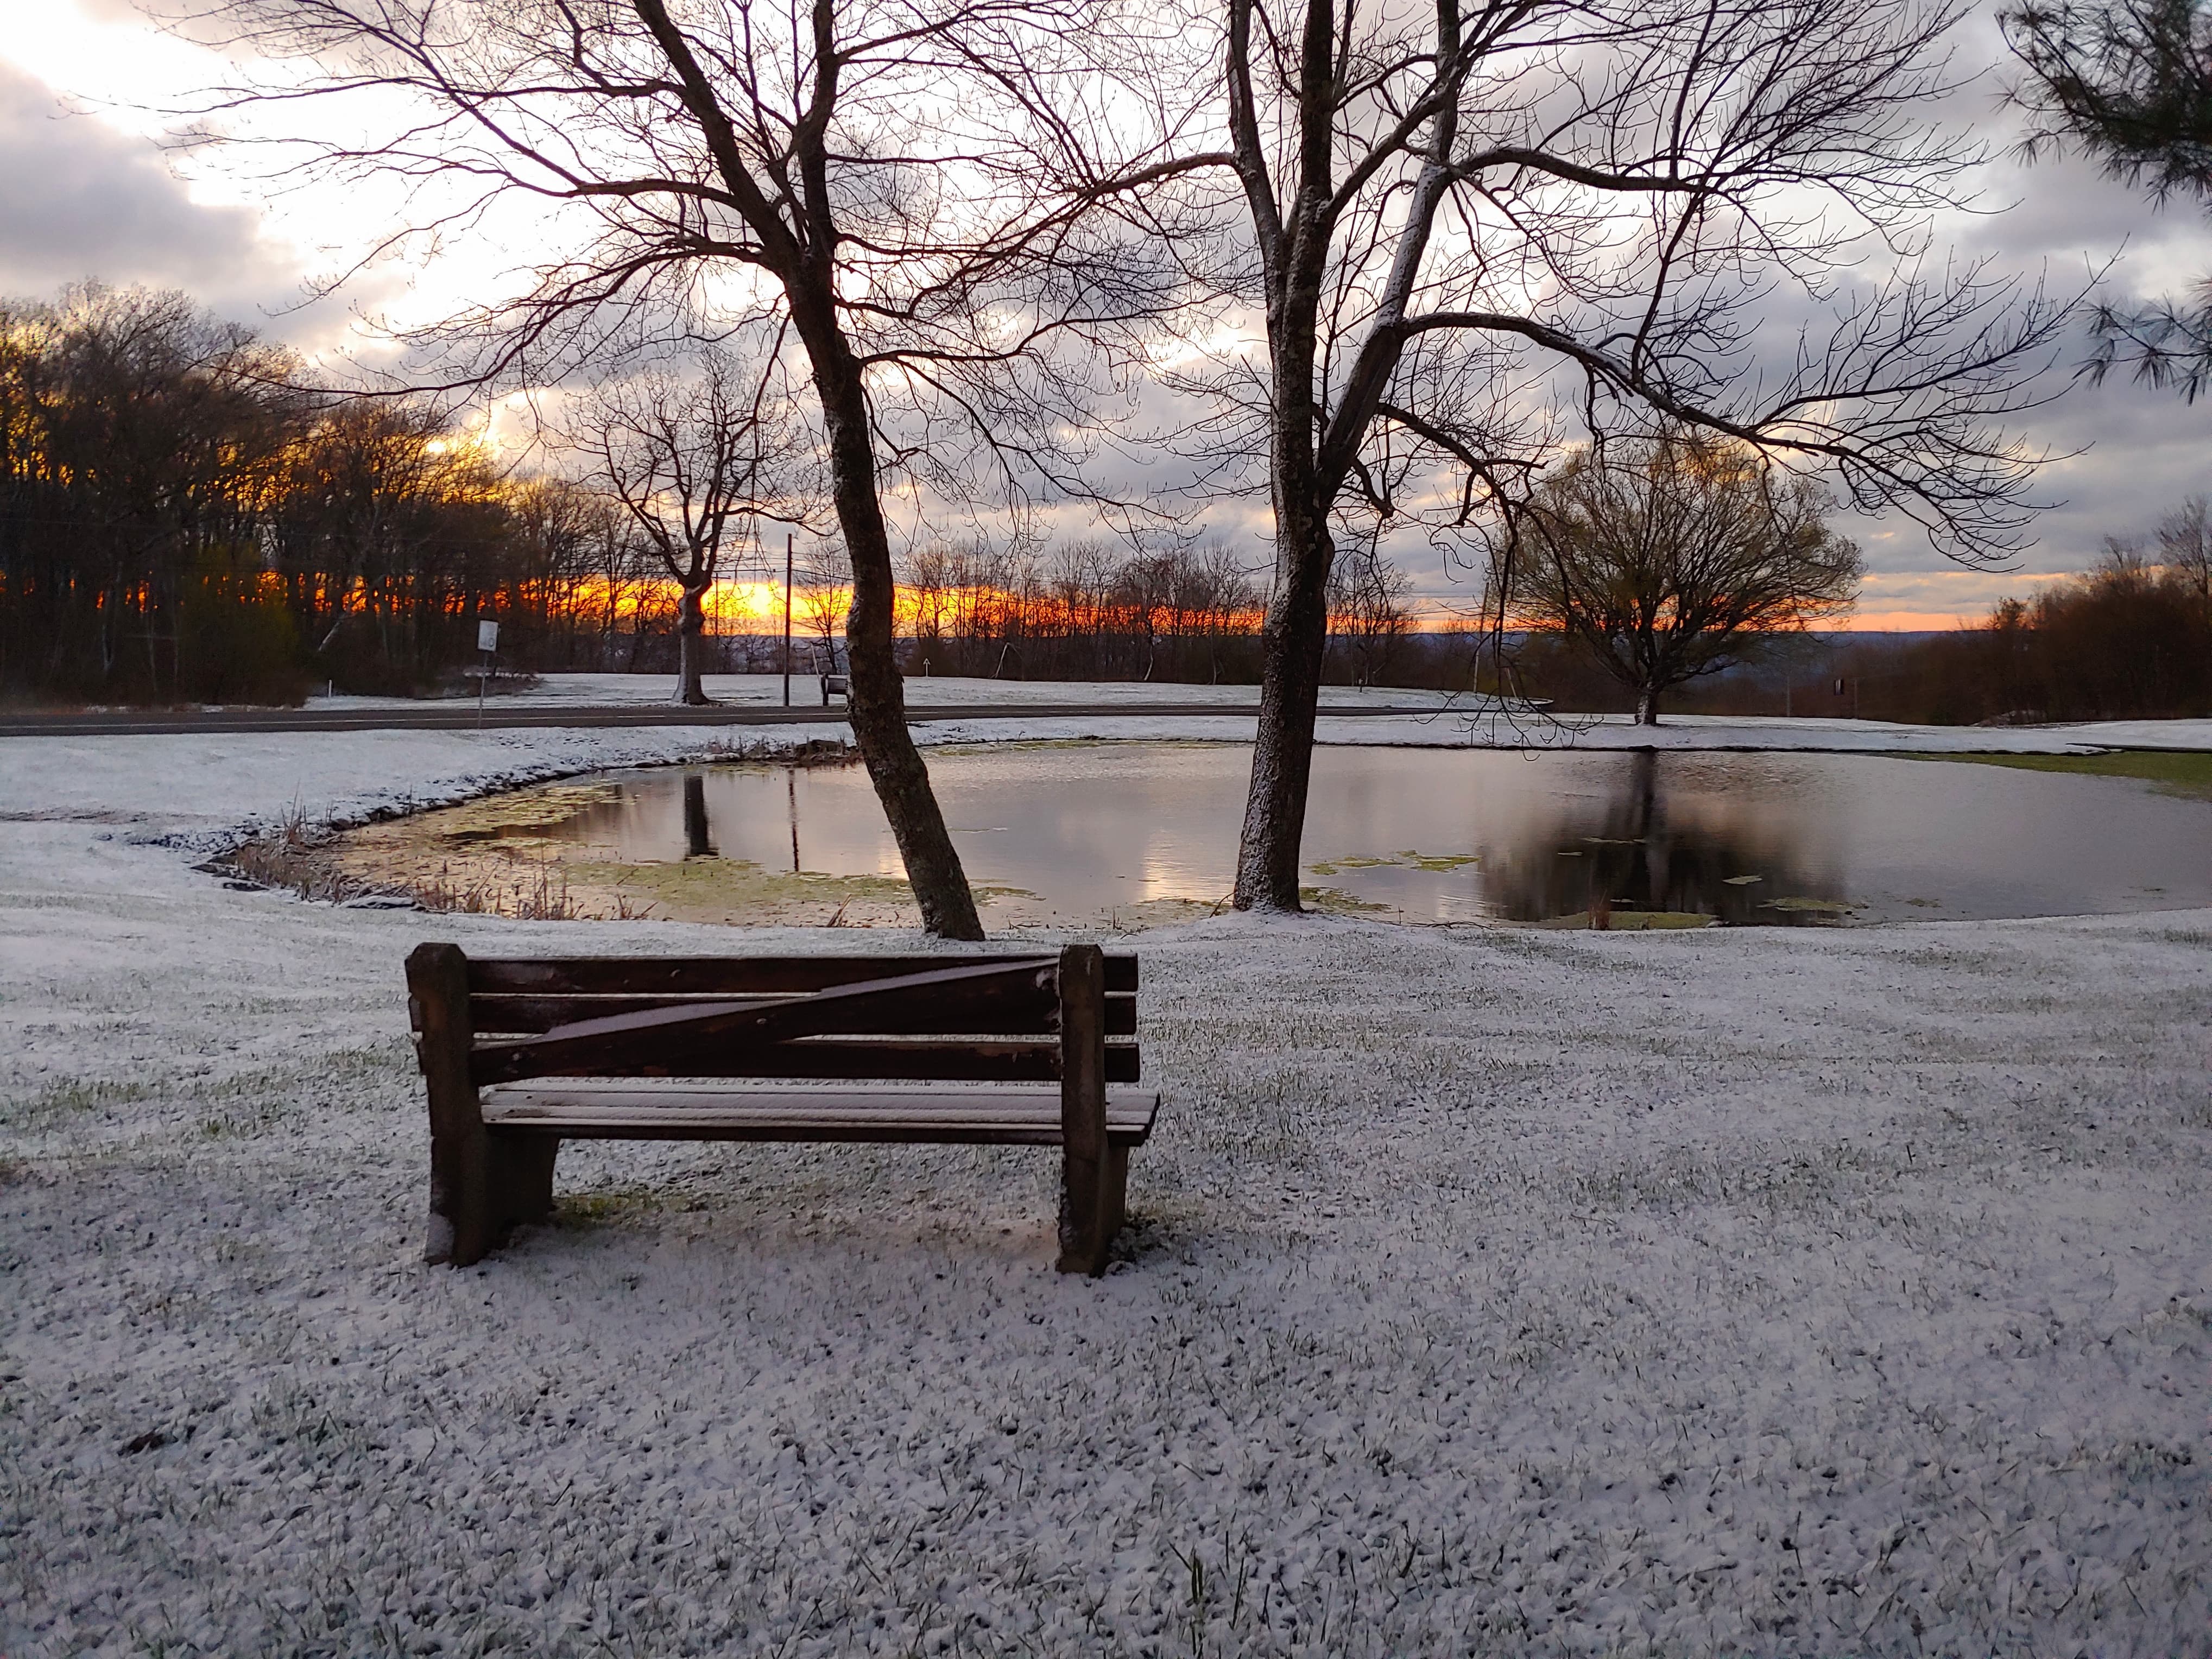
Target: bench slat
x,y
983,997
515,1012
596,1109
736,976
951,1059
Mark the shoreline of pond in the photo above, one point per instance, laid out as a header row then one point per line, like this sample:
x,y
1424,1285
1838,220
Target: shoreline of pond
x,y
492,855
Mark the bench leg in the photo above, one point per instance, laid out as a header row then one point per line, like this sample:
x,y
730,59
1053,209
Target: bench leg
x,y
464,1196
1093,1196
1083,1233
522,1167
484,1189
1117,1192
1090,1187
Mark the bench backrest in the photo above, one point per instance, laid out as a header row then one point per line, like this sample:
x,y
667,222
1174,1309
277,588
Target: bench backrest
x,y
996,1017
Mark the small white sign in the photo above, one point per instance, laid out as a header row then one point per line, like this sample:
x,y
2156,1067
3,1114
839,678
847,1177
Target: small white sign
x,y
487,637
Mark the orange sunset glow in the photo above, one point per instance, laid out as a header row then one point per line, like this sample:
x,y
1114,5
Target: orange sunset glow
x,y
756,607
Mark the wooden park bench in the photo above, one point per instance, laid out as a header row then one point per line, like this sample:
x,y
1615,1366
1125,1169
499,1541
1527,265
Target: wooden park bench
x,y
519,1056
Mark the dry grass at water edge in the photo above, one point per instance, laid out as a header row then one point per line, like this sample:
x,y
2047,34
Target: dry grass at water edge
x,y
308,857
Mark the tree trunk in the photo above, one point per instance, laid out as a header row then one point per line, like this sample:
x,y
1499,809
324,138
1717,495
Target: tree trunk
x,y
875,697
1292,645
1647,706
805,261
691,645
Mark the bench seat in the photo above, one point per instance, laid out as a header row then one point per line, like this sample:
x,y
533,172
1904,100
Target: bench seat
x,y
634,1109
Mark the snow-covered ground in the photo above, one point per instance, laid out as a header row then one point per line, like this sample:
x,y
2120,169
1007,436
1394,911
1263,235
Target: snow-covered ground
x,y
1488,1290
922,691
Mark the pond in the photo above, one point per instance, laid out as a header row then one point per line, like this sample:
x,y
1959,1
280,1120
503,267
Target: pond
x,y
1133,834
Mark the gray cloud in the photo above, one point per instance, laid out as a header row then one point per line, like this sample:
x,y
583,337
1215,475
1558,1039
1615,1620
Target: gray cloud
x,y
2128,453
79,199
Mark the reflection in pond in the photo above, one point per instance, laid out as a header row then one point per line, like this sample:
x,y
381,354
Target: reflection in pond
x,y
1133,834
1625,858
698,843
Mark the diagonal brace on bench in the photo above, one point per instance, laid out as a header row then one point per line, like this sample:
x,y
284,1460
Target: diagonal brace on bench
x,y
934,1001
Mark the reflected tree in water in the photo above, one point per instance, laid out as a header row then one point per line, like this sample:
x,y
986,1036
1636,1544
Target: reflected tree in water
x,y
698,834
1633,855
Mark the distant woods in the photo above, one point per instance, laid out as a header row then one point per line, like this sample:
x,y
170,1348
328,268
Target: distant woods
x,y
1086,611
2129,639
185,518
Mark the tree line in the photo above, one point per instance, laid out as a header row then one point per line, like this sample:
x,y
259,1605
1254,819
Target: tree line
x,y
186,516
2130,638
1092,609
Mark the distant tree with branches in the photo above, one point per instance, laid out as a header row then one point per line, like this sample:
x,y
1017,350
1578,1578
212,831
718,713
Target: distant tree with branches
x,y
696,453
2184,544
824,597
1367,610
1671,558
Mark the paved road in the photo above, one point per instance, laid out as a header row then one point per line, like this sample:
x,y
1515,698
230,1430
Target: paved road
x,y
451,716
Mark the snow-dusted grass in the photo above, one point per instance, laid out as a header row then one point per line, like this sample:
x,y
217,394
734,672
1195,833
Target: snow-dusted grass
x,y
1490,1291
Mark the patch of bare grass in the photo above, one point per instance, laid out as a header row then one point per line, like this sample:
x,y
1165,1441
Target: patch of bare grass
x,y
2186,773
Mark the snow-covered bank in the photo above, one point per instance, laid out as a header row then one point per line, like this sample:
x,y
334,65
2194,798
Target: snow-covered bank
x,y
1745,1291
1839,736
922,692
1445,719
202,791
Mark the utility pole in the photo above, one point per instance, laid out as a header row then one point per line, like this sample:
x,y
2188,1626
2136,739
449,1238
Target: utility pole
x,y
787,619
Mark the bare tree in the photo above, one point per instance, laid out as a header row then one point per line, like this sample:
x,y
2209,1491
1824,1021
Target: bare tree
x,y
1465,220
928,578
898,190
695,454
1367,607
2185,544
378,499
825,595
1671,559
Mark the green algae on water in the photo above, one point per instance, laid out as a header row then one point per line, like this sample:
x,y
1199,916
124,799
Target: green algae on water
x,y
1435,863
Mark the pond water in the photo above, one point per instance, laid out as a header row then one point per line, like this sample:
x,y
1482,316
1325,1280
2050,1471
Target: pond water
x,y
1132,832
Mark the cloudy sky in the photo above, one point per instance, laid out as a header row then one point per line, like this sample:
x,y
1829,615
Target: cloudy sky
x,y
86,191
